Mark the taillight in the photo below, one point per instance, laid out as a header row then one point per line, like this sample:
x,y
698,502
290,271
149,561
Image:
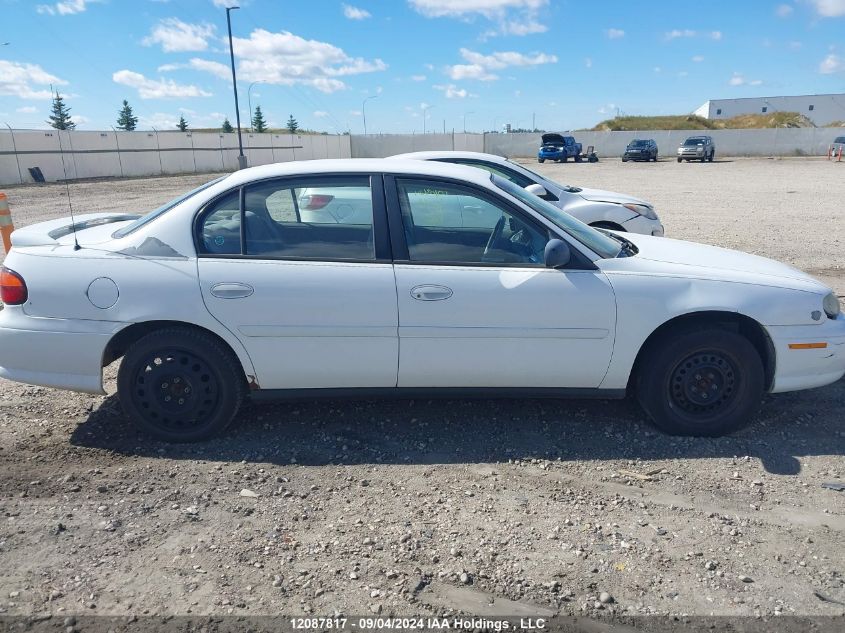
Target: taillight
x,y
12,287
316,201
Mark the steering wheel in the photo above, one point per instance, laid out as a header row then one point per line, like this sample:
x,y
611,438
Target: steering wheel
x,y
494,237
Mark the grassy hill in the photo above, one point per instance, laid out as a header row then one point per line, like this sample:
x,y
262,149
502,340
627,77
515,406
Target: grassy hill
x,y
692,122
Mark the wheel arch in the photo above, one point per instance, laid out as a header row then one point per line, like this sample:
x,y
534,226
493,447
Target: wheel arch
x,y
732,321
126,337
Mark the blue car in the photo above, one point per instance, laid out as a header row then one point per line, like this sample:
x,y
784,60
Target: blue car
x,y
559,148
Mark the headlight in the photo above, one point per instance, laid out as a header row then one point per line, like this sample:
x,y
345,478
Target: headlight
x,y
831,306
642,209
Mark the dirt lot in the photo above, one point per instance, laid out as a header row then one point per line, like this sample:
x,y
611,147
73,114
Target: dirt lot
x,y
417,507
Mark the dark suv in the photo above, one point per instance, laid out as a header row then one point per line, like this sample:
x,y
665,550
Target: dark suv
x,y
640,149
697,148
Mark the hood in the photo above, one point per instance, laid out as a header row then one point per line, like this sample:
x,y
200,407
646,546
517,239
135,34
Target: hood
x,y
598,195
662,254
553,139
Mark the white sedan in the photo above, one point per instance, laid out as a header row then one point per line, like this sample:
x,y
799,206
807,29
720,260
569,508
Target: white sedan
x,y
598,208
227,292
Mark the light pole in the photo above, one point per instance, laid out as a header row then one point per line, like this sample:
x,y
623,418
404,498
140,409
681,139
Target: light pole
x,y
364,111
249,100
241,157
465,120
425,115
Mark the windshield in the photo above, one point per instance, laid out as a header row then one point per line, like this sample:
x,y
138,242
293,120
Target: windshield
x,y
638,144
840,139
601,244
541,178
149,217
694,141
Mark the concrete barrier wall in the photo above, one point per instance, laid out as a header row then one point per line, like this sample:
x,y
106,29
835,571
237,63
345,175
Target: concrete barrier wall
x,y
383,145
115,154
767,142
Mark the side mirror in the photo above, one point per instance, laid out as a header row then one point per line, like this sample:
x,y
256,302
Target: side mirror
x,y
537,189
557,254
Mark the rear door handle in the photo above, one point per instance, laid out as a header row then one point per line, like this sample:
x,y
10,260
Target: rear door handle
x,y
232,290
431,293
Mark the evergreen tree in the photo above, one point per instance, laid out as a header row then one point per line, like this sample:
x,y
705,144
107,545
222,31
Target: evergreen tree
x,y
125,119
293,125
60,117
182,125
258,122
227,127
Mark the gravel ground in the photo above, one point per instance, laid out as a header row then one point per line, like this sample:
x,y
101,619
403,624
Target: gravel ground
x,y
404,507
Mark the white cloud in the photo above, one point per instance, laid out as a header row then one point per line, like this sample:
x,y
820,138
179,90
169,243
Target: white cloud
x,y
795,45
159,121
27,110
832,64
784,10
451,91
320,114
286,59
513,17
829,8
658,69
26,81
588,62
215,68
79,119
698,58
480,66
418,78
676,33
67,7
679,33
177,36
615,34
738,79
161,89
354,13
222,4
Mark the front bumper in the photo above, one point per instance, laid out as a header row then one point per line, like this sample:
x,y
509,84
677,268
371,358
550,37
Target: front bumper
x,y
691,154
60,353
642,225
551,155
807,368
637,155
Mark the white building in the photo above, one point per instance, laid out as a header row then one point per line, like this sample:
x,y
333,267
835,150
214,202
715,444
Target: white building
x,y
820,109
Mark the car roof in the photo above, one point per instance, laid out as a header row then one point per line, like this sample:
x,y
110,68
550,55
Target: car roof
x,y
358,166
433,155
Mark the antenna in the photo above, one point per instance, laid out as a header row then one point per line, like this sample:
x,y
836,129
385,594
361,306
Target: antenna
x,y
76,245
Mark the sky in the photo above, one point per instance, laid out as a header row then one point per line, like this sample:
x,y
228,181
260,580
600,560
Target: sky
x,y
409,64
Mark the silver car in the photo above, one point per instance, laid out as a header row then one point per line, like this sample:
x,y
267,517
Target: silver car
x,y
697,148
598,208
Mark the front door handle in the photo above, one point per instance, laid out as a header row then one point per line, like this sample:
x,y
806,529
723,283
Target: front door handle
x,y
431,293
232,290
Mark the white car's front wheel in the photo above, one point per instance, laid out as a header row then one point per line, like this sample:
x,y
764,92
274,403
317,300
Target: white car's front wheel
x,y
701,382
180,384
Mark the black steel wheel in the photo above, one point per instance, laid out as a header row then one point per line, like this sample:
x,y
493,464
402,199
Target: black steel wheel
x,y
180,384
703,381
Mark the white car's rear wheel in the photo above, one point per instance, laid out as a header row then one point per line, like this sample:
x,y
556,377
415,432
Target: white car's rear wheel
x,y
180,385
702,382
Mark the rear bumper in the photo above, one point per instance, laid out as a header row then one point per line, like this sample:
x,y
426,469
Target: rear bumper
x,y
60,353
807,368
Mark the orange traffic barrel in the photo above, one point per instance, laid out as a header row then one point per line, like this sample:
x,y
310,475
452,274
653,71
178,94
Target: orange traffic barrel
x,y
6,226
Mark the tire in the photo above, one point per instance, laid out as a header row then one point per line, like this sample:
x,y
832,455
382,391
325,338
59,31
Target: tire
x,y
565,159
680,159
712,156
624,160
681,402
180,384
541,160
594,158
578,159
655,158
